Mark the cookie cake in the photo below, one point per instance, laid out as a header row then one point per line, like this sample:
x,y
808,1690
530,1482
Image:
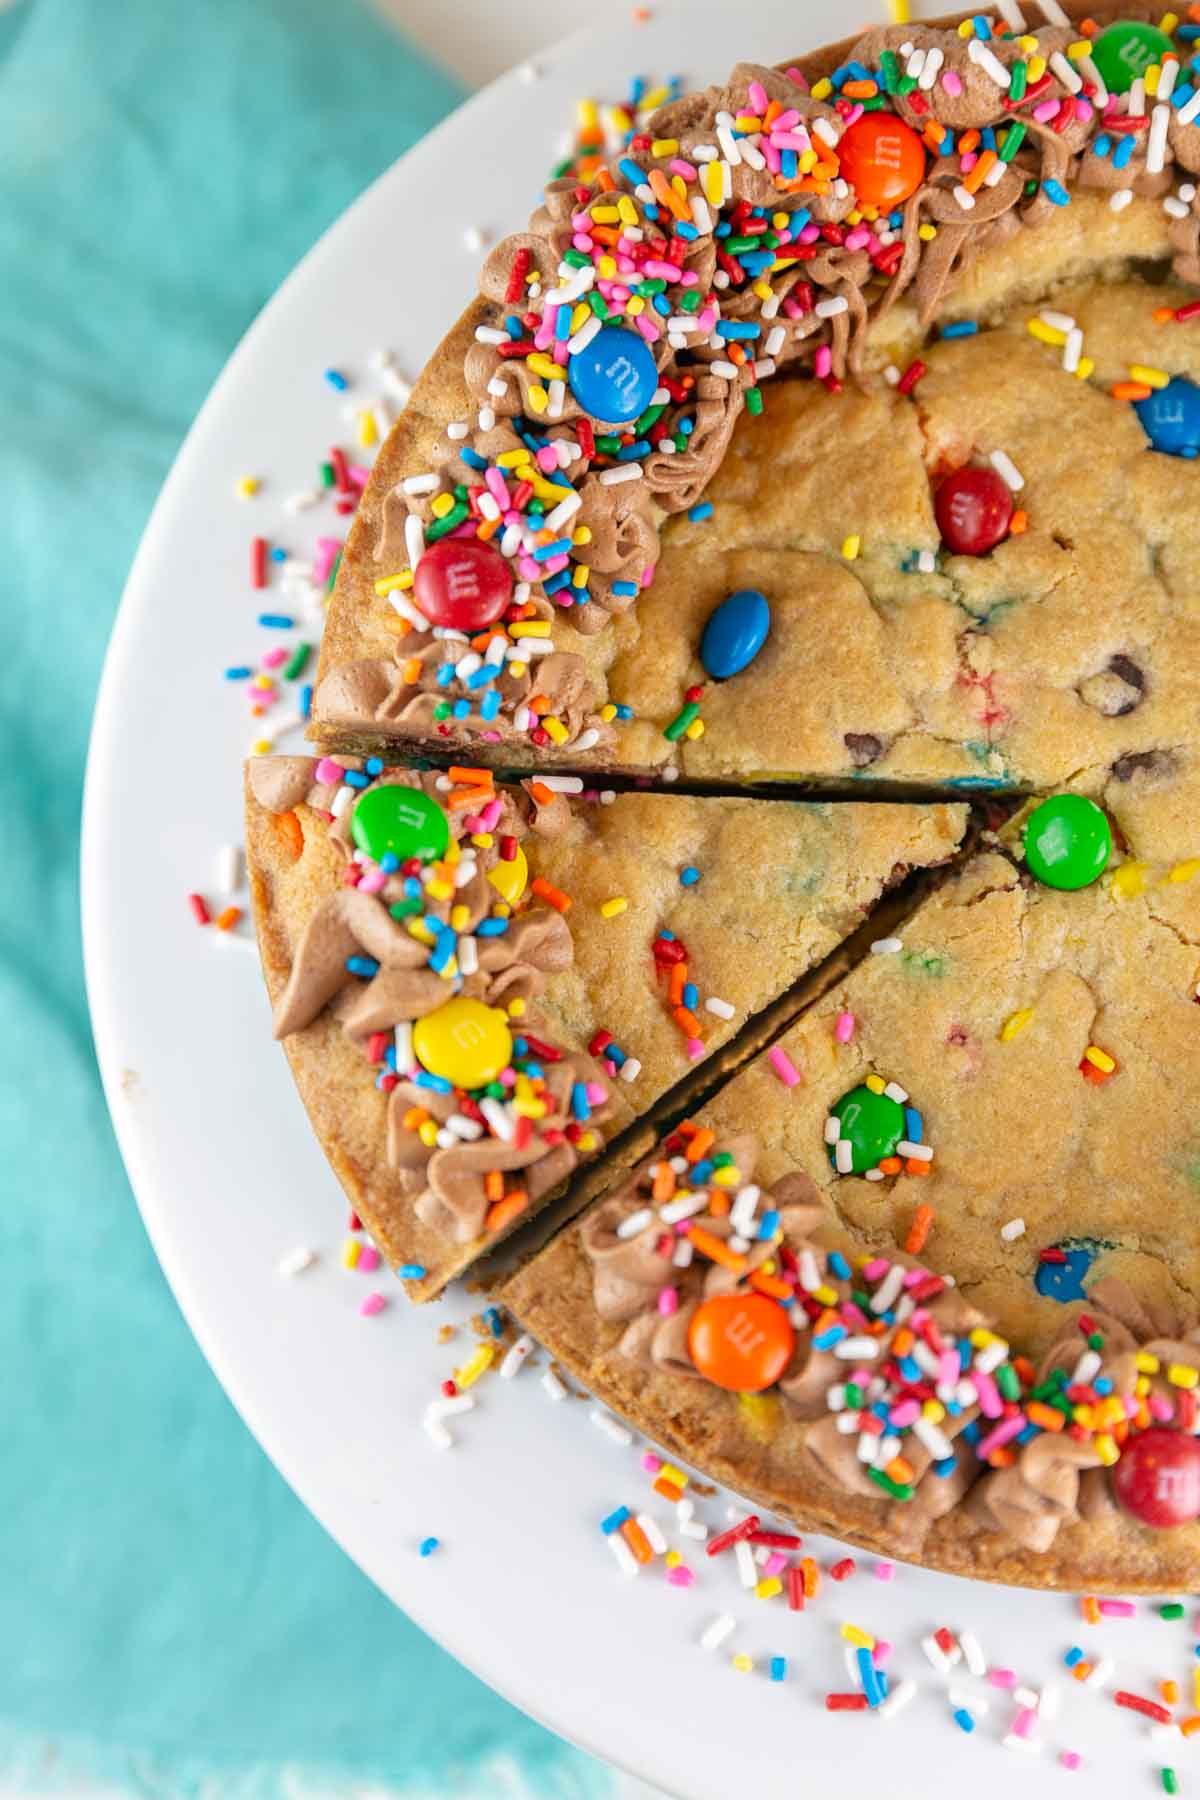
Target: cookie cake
x,y
818,461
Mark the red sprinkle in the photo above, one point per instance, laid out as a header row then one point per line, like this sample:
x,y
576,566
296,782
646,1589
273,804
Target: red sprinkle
x,y
449,1389
200,912
1150,1708
516,280
795,1589
341,475
910,377
776,1540
258,562
845,1703
746,1528
1188,311
840,1570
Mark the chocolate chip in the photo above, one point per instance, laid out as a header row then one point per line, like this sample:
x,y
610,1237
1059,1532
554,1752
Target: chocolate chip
x,y
1143,762
1127,669
864,747
1116,690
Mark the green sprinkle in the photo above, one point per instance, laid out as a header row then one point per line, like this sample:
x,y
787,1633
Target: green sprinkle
x,y
906,84
754,401
735,246
333,573
1007,1382
855,1397
891,70
1013,139
577,259
297,662
650,417
690,301
442,710
327,475
404,909
679,724
1170,1781
1016,86
446,524
899,1490
1095,1340
598,304
1173,1609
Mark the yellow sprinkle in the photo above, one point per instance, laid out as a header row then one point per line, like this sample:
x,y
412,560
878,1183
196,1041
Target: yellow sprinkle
x,y
629,216
1151,78
1146,1363
530,628
767,1590
671,1473
609,909
1196,1687
851,546
368,431
934,1411
1168,22
1079,48
518,668
635,306
1037,68
474,1366
743,1663
1185,871
861,1640
727,1177
653,99
664,147
1045,334
261,682
966,29
981,1337
442,504
825,1296
262,746
554,728
588,115
822,89
538,398
1086,367
483,840
390,582
1099,1059
580,578
876,1083
1141,1386
539,363
606,215
673,1560
351,1251
589,1141
694,730
1105,1449
439,890
608,712
516,1008
460,917
607,266
1015,1022
428,1133
712,178
1182,1375
581,535
1027,44
1155,378
927,233
421,932
247,487
508,459
1128,879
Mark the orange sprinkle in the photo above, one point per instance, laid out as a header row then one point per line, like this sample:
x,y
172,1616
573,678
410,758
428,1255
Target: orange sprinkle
x,y
918,1231
974,179
914,1166
859,90
493,1184
663,1185
1003,1458
676,982
686,1020
538,703
541,793
899,1469
670,1490
228,918
671,200
719,1203
637,1540
290,832
488,528
1163,315
1025,1369
969,141
812,1576
716,1249
505,1211
702,1141
1169,1691
1048,1417
463,798
414,1118
1189,1727
1089,1606
903,1341
412,671
1130,390
1081,1671
771,1284
551,895
890,1165
1018,523
934,133
471,777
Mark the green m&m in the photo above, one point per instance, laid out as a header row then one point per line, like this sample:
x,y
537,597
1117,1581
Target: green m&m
x,y
863,1128
1126,49
401,822
1068,841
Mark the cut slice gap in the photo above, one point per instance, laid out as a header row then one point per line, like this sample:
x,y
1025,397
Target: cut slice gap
x,y
780,885
985,1017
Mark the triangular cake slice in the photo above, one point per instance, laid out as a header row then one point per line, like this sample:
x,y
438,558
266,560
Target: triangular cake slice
x,y
924,1275
766,273
479,987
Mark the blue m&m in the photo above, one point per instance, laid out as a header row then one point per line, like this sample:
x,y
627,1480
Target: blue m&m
x,y
1170,417
613,377
735,633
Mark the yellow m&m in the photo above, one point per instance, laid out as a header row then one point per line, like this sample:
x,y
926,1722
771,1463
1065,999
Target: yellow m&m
x,y
464,1042
510,878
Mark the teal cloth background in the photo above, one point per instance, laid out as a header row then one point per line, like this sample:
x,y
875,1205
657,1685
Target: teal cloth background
x,y
173,1619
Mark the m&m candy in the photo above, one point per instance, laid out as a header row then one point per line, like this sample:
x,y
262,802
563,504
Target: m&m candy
x,y
741,1341
613,377
735,633
871,1124
1068,841
462,583
464,1041
974,510
1125,50
510,878
400,821
1157,1478
1170,417
882,158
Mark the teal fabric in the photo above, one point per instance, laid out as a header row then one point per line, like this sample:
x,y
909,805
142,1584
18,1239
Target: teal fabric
x,y
173,1619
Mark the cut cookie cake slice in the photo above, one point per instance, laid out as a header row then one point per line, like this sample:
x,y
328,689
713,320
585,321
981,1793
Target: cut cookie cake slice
x,y
479,986
860,380
925,1274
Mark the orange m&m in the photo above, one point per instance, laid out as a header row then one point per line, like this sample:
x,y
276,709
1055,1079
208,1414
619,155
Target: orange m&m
x,y
883,159
741,1341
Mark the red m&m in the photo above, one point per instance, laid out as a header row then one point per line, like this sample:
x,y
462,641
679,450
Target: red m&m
x,y
883,159
1158,1478
974,510
462,583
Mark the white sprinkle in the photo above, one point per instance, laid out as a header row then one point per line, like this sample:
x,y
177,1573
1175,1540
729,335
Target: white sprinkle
x,y
631,1068
965,197
1057,321
612,1428
1049,1701
1102,1672
685,1250
487,334
1053,13
888,1291
637,1221
498,1118
933,1438
457,431
901,1694
565,510
936,1655
721,1008
1119,200
1086,1368
301,502
297,1260
497,388
562,784
726,371
972,1650
1156,144
686,1207
1013,1230
341,801
844,1156
746,1567
1027,1697
825,128
414,539
1166,78
929,73
474,237
438,1411
717,1630
1187,112
515,1357
1007,469
886,946
623,472
960,1695
653,1531
918,1152
851,1348
776,338
229,868
1175,208
988,61
550,1381
1072,350
587,740
829,309
626,1560
833,1129
421,484
402,1039
1067,74
1010,12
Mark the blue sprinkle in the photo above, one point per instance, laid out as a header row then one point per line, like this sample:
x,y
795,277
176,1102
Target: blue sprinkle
x,y
493,1321
627,589
668,937
1182,94
336,380
623,712
491,928
389,862
689,877
554,583
374,765
1102,144
277,621
1074,1655
445,674
1055,191
461,709
982,26
472,458
632,173
825,1340
437,1084
412,888
428,1546
1124,151
913,1126
278,555
614,1521
909,1368
963,1719
559,547
490,704
960,328
355,778
768,1225
739,328
614,1056
839,1265
366,966
701,1173
534,1070
483,675
789,164
946,1466
580,1105
691,995
778,1668
868,1676
514,329
238,673
411,1271
700,512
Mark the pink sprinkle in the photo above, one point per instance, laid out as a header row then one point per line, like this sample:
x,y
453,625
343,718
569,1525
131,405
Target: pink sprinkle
x,y
967,162
649,331
1160,1406
273,658
876,1269
1024,1722
374,1303
1002,1678
798,79
948,1367
885,1571
695,1049
1083,110
547,459
843,1031
951,82
758,97
373,881
783,1066
497,486
327,549
906,1413
328,772
1118,1609
678,166
882,1650
490,737
855,113
1045,112
668,1301
597,1093
680,1576
775,1564
647,574
368,1259
858,238
1070,1759
990,1403
823,362
357,476
651,1463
